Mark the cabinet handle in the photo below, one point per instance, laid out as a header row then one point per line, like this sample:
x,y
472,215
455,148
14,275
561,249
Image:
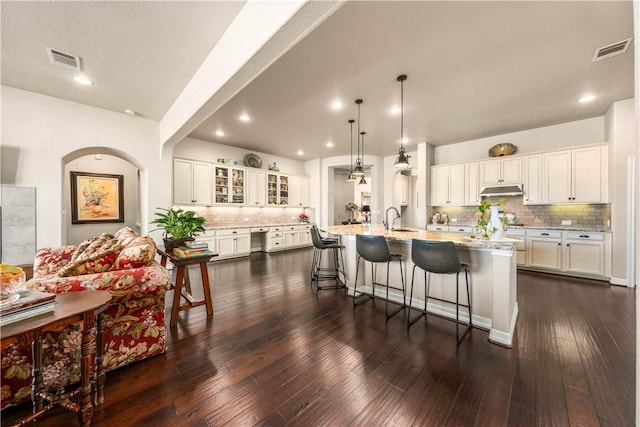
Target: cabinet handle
x,y
568,245
544,234
234,232
584,236
560,244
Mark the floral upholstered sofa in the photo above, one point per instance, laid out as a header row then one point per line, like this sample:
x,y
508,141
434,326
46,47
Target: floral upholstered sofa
x,y
123,264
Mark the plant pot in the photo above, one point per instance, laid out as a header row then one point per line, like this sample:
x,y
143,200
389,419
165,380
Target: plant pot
x,y
170,243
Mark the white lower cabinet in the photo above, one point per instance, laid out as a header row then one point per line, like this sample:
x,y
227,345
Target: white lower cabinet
x,y
570,252
233,242
288,237
545,249
584,253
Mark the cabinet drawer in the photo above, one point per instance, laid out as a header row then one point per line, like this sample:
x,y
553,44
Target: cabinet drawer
x,y
581,235
259,229
460,229
232,232
273,235
516,232
436,227
545,234
276,229
208,233
277,242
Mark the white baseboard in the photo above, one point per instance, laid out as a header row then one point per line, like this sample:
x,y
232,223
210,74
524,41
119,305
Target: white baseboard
x,y
621,282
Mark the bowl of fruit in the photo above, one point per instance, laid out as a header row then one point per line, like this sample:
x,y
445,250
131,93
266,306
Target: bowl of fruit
x,y
12,281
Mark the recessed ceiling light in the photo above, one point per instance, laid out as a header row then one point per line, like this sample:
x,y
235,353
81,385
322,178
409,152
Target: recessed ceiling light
x,y
587,98
245,117
300,152
329,144
336,105
130,112
82,80
395,110
219,132
405,140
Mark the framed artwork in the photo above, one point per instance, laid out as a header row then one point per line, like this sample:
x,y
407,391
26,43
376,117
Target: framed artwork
x,y
365,199
96,197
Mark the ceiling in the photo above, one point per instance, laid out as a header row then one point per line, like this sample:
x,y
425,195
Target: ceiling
x,y
475,69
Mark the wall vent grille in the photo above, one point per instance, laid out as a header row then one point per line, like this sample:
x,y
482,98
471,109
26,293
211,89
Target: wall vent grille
x,y
62,59
611,50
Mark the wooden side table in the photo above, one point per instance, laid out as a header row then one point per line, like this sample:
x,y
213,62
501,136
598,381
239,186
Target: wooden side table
x,y
182,286
83,306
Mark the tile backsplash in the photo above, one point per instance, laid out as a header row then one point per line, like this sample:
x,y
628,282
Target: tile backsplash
x,y
243,216
581,215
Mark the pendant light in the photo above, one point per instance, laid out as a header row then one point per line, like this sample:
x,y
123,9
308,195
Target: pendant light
x,y
403,159
351,177
362,180
358,171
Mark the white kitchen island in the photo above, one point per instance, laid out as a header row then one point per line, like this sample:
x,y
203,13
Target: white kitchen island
x,y
492,280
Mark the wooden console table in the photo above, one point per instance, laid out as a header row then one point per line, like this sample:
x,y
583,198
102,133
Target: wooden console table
x,y
182,286
85,307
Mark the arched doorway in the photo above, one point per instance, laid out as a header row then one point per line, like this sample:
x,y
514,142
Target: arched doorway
x,y
101,160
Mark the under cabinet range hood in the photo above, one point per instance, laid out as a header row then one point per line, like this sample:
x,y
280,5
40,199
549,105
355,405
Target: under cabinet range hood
x,y
502,190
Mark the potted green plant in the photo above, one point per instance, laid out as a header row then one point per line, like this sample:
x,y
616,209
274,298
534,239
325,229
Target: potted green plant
x,y
178,225
489,224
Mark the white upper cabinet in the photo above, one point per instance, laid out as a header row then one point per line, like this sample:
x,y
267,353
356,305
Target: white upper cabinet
x,y
471,184
576,176
532,171
299,191
448,185
501,171
256,185
192,182
230,185
401,184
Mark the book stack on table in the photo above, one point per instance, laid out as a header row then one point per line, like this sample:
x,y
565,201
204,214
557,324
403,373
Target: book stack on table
x,y
192,249
28,304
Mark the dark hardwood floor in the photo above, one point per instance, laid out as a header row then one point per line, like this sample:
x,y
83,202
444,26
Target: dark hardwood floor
x,y
276,353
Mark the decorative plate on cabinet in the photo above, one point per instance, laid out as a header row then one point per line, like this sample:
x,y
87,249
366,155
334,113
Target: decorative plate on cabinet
x,y
252,160
499,150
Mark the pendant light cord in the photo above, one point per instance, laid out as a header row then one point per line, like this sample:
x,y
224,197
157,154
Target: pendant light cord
x,y
351,151
402,113
358,102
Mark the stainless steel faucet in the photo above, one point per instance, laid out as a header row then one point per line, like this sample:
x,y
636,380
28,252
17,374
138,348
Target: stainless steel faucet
x,y
386,219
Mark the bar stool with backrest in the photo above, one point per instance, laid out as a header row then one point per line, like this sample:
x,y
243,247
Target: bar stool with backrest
x,y
375,250
319,273
438,258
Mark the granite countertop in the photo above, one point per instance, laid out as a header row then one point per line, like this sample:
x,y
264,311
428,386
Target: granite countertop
x,y
227,227
458,238
538,227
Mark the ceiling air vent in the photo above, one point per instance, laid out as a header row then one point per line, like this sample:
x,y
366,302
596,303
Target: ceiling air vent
x,y
64,60
612,50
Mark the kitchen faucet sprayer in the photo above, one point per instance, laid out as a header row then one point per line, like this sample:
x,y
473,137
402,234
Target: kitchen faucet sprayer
x,y
386,219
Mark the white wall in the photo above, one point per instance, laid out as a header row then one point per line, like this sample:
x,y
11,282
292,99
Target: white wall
x,y
581,132
620,132
39,131
343,193
197,149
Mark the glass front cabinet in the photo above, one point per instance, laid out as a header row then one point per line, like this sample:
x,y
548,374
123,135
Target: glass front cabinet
x,y
230,185
277,189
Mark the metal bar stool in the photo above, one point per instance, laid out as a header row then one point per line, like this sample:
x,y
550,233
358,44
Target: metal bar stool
x,y
439,258
375,250
319,273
